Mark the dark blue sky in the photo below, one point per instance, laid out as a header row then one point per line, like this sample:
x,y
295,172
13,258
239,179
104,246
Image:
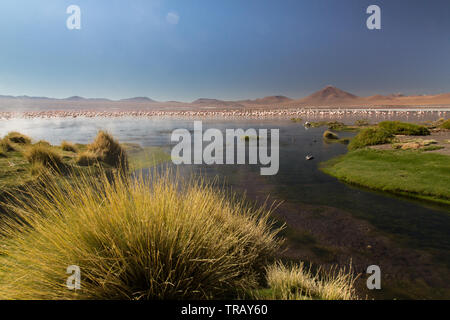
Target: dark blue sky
x,y
227,49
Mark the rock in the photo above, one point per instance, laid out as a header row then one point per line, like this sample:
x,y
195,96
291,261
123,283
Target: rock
x,y
411,146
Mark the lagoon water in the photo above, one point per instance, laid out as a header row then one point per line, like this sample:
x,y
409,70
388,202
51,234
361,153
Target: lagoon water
x,y
407,238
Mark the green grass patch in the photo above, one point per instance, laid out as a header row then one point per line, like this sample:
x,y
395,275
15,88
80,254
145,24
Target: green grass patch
x,y
330,135
446,124
370,137
403,128
414,174
334,125
432,148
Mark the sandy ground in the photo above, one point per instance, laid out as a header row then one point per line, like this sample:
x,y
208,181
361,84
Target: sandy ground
x,y
441,136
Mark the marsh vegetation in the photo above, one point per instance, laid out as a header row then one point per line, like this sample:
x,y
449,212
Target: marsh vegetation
x,y
139,236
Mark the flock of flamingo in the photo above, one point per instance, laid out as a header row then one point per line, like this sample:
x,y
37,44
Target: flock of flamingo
x,y
274,113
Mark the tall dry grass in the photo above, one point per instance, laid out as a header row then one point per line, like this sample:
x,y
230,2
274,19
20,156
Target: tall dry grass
x,y
86,158
17,137
41,154
109,151
6,146
68,146
296,282
133,238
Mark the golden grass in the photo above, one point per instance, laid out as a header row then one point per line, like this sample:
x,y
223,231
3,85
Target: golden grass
x,y
17,137
6,146
41,154
151,237
295,282
86,158
109,151
43,143
68,146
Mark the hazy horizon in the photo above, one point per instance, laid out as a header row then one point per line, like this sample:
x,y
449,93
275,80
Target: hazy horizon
x,y
199,98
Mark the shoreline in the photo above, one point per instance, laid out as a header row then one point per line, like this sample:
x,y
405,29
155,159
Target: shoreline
x,y
400,182
240,114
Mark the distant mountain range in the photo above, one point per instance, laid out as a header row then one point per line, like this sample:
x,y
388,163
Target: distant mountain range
x,y
332,96
329,96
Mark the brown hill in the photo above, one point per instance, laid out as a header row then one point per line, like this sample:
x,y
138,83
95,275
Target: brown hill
x,y
271,100
203,101
328,96
334,97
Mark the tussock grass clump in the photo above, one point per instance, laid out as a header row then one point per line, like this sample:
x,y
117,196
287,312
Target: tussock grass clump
x,y
40,154
295,282
446,124
16,137
109,151
43,143
86,158
133,238
403,128
330,135
362,123
6,146
370,137
68,146
335,125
